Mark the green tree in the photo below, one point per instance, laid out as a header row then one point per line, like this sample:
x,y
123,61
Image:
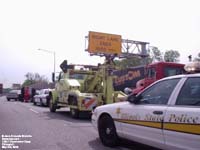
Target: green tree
x,y
171,56
128,62
156,54
32,78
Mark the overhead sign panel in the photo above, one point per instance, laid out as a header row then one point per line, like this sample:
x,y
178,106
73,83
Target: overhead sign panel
x,y
104,43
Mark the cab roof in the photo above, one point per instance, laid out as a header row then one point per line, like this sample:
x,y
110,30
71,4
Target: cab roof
x,y
182,76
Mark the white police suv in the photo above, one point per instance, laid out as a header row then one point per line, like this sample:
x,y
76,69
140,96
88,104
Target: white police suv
x,y
165,115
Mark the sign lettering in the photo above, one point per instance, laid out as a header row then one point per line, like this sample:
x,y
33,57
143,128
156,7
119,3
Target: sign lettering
x,y
104,43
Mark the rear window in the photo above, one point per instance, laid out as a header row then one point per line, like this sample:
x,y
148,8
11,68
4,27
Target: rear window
x,y
171,71
190,93
15,91
46,92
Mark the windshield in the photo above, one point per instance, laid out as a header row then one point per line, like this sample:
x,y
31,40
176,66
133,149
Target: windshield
x,y
77,76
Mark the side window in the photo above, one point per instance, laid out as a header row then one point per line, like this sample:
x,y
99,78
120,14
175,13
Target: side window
x,y
46,92
158,93
151,72
41,92
190,93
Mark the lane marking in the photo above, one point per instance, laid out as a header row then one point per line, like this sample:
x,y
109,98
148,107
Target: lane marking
x,y
33,110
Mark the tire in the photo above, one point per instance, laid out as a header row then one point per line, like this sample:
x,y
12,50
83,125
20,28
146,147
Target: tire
x,y
8,99
41,103
74,113
47,102
34,103
107,131
72,101
52,106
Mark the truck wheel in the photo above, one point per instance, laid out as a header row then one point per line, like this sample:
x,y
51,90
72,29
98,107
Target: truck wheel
x,y
107,131
41,103
52,105
73,100
34,103
74,113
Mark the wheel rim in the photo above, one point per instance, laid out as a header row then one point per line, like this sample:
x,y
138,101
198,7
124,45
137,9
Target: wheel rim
x,y
107,130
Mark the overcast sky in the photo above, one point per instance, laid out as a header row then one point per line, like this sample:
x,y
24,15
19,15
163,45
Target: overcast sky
x,y
61,26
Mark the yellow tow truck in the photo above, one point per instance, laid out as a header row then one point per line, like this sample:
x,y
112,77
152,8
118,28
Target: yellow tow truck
x,y
83,89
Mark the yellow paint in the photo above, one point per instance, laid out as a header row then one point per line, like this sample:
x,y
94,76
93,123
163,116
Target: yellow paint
x,y
187,128
178,127
142,123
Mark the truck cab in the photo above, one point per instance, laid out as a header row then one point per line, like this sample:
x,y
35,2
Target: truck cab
x,y
156,71
160,70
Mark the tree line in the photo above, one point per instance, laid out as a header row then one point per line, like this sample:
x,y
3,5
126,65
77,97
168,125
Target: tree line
x,y
155,55
32,78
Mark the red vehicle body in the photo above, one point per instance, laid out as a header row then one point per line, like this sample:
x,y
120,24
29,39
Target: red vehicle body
x,y
26,94
156,71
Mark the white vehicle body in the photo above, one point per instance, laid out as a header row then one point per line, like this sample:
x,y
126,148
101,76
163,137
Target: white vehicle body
x,y
42,97
13,94
165,115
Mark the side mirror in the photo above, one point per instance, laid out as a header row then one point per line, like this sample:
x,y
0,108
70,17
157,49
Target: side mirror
x,y
133,98
127,91
64,66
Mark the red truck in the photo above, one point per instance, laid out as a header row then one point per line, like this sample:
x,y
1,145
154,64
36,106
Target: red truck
x,y
156,71
145,75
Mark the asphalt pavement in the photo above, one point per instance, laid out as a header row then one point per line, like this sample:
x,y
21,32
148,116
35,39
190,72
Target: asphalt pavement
x,y
32,127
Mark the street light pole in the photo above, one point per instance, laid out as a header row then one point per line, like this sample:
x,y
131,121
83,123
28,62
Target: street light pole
x,y
54,58
54,55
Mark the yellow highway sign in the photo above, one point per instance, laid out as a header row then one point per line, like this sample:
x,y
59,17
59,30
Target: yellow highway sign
x,y
104,43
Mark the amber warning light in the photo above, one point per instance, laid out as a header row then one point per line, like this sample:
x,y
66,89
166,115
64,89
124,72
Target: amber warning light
x,y
104,43
193,67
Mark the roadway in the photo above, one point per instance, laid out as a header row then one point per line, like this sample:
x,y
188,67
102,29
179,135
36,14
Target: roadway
x,y
38,129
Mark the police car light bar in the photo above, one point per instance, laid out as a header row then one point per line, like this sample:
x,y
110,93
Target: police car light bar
x,y
193,67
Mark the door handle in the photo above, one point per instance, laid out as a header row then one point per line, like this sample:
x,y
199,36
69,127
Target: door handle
x,y
157,112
